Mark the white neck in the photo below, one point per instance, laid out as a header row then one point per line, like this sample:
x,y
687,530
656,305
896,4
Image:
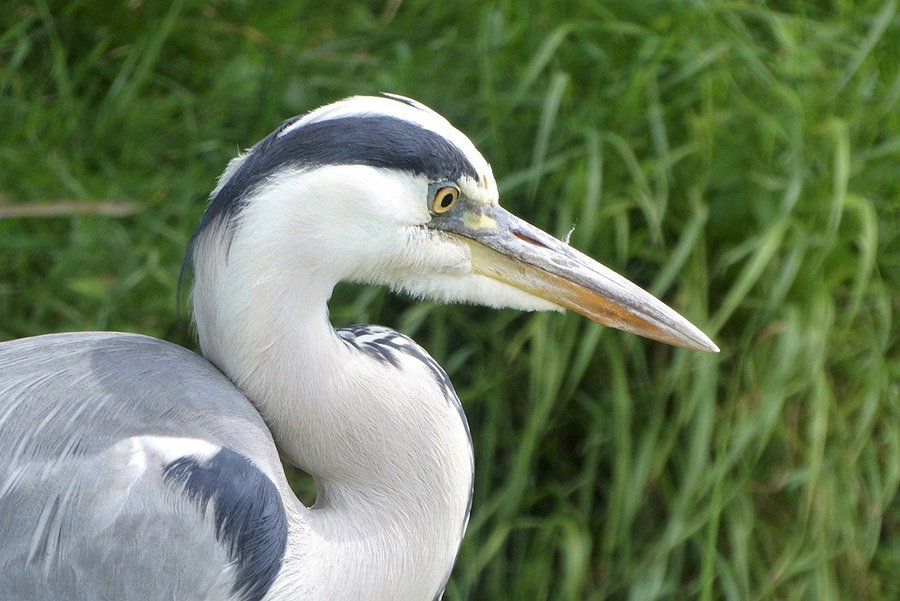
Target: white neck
x,y
390,455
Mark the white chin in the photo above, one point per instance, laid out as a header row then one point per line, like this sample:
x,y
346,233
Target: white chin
x,y
477,290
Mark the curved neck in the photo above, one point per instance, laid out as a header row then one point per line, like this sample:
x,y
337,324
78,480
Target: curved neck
x,y
390,456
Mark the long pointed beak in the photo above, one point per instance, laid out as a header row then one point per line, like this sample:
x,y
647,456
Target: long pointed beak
x,y
515,252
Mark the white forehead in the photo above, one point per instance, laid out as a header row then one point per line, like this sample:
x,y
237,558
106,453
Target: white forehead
x,y
400,107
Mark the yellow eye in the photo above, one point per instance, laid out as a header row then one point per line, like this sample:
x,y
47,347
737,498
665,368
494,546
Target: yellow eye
x,y
444,199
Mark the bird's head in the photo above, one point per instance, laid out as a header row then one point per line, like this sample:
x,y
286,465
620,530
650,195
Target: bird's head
x,y
384,190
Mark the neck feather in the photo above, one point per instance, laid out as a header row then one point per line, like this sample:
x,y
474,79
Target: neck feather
x,y
390,456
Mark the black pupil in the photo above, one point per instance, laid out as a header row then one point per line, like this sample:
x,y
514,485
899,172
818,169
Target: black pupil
x,y
447,200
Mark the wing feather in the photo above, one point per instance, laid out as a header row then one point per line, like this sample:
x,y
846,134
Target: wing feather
x,y
88,425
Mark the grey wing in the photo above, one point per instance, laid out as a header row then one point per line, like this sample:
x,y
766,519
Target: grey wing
x,y
130,468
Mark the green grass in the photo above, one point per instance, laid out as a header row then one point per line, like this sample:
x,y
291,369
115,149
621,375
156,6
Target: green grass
x,y
739,159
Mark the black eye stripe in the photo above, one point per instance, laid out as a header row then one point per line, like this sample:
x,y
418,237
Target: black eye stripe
x,y
375,140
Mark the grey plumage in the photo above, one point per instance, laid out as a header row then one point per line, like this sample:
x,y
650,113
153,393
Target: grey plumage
x,y
78,509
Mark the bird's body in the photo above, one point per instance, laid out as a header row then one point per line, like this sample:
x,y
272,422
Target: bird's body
x,y
131,468
98,417
127,433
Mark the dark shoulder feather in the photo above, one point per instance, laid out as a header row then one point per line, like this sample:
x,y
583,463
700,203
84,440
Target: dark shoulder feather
x,y
247,511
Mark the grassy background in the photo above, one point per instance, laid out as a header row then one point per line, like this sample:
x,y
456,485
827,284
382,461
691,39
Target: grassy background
x,y
741,160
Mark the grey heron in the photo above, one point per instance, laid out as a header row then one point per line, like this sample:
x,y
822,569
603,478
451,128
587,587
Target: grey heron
x,y
132,468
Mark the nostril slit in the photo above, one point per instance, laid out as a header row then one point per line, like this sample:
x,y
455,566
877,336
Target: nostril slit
x,y
525,237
